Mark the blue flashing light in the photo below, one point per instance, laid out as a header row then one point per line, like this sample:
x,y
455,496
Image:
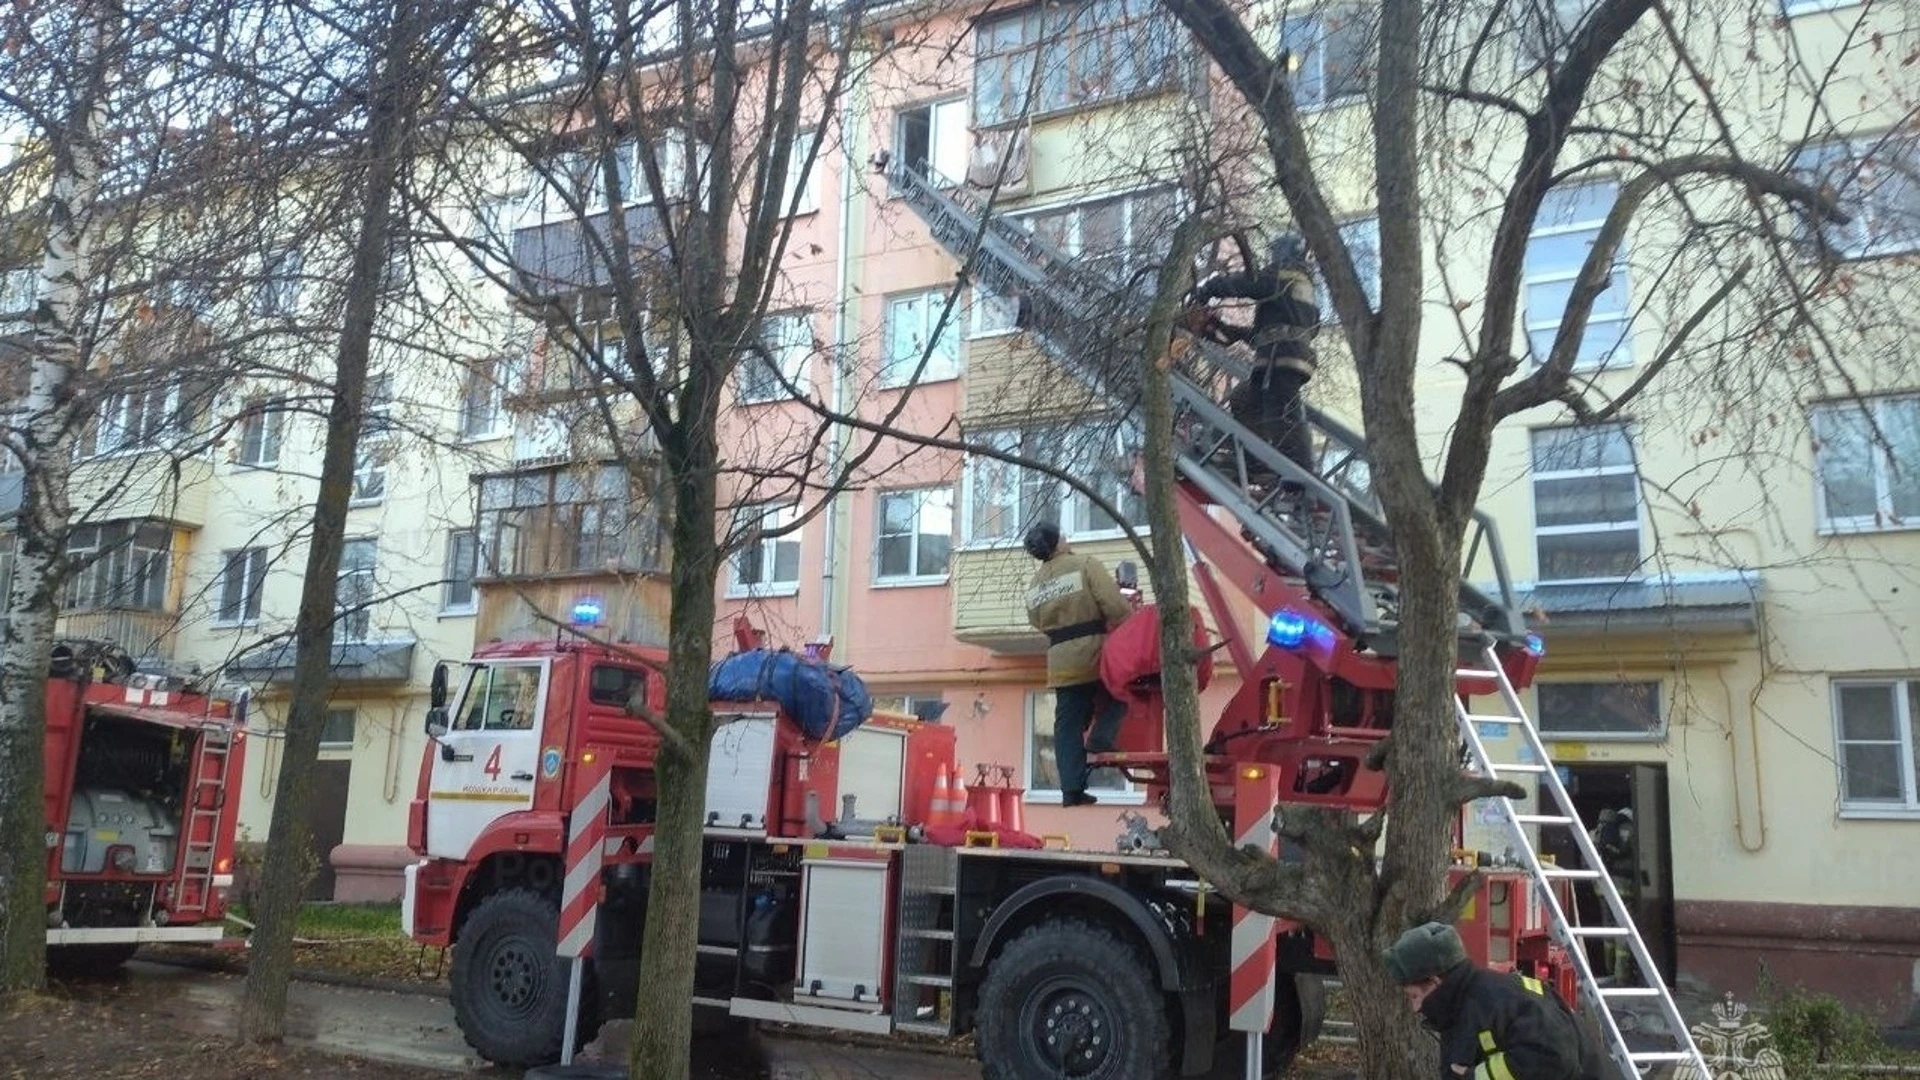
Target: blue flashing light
x,y
1289,629
587,611
1536,645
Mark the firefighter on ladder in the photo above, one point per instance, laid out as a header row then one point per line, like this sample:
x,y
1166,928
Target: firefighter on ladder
x,y
1286,318
1491,1026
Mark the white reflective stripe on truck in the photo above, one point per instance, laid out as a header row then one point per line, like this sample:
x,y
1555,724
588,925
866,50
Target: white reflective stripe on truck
x,y
114,935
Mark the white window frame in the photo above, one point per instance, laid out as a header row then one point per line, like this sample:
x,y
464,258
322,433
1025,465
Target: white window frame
x,y
112,435
19,290
949,138
1883,518
1071,505
1306,37
1889,158
991,314
920,496
908,699
1055,38
356,625
1631,468
776,515
278,293
1532,51
1133,242
1124,795
449,606
483,394
1621,354
806,188
1657,733
944,363
788,336
1791,8
1905,721
253,576
335,746
265,421
376,443
1362,237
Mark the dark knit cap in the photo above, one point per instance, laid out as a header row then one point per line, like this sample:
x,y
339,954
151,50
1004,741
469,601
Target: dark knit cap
x,y
1423,952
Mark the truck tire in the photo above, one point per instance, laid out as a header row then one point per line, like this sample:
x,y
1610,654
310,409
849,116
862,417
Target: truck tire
x,y
1068,1000
89,961
509,986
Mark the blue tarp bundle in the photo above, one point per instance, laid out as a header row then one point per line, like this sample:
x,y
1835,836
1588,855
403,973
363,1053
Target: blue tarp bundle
x,y
826,701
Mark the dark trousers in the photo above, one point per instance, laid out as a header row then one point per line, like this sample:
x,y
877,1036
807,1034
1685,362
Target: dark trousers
x,y
1075,709
1268,404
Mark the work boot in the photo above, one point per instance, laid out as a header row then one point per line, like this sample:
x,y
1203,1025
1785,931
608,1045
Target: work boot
x,y
1077,798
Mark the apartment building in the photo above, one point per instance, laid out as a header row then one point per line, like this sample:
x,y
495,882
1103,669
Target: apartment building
x,y
1730,652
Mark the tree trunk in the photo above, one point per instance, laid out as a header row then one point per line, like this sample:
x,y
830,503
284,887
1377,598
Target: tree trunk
x,y
40,530
663,1006
270,965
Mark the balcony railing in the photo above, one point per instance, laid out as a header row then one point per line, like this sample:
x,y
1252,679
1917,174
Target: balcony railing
x,y
140,633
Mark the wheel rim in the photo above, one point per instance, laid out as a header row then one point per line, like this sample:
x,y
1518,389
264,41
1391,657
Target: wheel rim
x,y
515,976
1068,1027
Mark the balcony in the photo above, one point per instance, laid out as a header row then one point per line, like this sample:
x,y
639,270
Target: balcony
x,y
143,634
990,595
572,255
630,608
150,484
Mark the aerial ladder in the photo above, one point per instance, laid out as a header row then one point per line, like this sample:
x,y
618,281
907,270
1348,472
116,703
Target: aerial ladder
x,y
1313,552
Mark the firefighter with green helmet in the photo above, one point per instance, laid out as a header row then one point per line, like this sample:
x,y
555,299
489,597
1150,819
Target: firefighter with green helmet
x,y
1491,1026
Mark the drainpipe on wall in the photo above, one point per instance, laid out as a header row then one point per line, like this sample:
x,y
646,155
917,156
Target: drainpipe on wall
x,y
852,131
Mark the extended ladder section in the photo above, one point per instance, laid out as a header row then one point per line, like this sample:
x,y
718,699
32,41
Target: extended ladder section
x,y
206,799
1610,1001
1331,535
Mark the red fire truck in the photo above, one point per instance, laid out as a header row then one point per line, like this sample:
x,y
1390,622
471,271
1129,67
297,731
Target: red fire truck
x,y
1102,960
142,779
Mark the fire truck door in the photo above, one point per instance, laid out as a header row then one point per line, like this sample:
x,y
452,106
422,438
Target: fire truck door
x,y
485,765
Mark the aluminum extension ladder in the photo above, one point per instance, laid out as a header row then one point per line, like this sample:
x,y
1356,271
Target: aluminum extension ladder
x,y
1622,932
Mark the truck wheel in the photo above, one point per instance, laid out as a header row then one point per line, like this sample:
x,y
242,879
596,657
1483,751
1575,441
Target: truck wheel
x,y
509,986
1068,1000
89,961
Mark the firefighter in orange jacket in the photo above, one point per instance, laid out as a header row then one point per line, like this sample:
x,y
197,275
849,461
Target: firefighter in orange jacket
x,y
1074,601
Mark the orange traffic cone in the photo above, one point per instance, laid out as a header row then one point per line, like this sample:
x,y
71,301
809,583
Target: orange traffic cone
x,y
942,809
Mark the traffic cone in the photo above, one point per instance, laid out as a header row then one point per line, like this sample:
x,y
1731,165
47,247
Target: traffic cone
x,y
940,808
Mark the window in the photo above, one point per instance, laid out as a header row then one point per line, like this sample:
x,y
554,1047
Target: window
x,y
1586,503
1547,28
929,706
765,565
279,288
19,288
573,183
802,190
1879,748
145,419
500,697
463,563
336,731
1045,59
911,323
1116,235
788,339
615,686
1808,7
242,573
260,432
354,602
993,313
1362,236
1043,774
121,564
932,140
1563,233
1616,708
1869,463
483,399
584,346
1877,182
1004,500
915,535
376,441
1332,54
566,521
489,233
